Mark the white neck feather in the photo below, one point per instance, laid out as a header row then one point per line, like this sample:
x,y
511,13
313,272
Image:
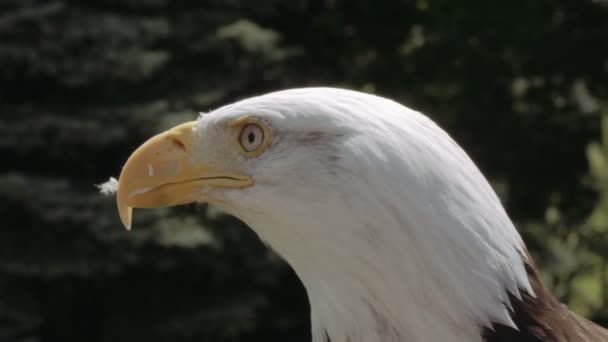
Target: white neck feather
x,y
402,239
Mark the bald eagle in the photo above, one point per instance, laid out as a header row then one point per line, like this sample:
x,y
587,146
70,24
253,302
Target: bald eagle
x,y
393,230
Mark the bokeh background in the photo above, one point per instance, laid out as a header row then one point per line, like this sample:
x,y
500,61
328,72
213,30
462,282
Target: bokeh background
x,y
522,86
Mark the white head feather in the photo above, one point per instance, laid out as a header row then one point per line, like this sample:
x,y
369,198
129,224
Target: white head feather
x,y
393,230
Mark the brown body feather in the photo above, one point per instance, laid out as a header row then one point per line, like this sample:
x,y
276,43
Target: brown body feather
x,y
544,318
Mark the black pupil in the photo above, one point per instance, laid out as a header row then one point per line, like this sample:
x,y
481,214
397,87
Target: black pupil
x,y
251,137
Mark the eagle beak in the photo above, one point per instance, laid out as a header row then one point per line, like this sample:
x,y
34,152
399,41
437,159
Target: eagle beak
x,y
163,172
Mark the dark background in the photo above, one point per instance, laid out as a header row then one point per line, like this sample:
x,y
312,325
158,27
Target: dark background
x,y
521,85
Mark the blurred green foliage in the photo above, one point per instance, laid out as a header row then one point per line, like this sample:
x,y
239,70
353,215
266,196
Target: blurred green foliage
x,y
522,85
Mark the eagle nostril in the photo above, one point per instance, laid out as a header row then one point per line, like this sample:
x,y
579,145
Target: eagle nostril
x,y
177,144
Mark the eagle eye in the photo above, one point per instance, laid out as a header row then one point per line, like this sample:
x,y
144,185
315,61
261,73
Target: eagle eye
x,y
252,137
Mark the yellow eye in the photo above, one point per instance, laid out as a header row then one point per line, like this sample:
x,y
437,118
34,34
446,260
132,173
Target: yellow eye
x,y
252,137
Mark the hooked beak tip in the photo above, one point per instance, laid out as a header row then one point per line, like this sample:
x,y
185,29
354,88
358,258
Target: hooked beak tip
x,y
126,215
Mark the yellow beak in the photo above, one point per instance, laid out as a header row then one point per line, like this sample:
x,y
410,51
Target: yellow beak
x,y
162,173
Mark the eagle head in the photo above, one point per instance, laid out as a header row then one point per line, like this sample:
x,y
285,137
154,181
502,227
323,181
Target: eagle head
x,y
393,230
